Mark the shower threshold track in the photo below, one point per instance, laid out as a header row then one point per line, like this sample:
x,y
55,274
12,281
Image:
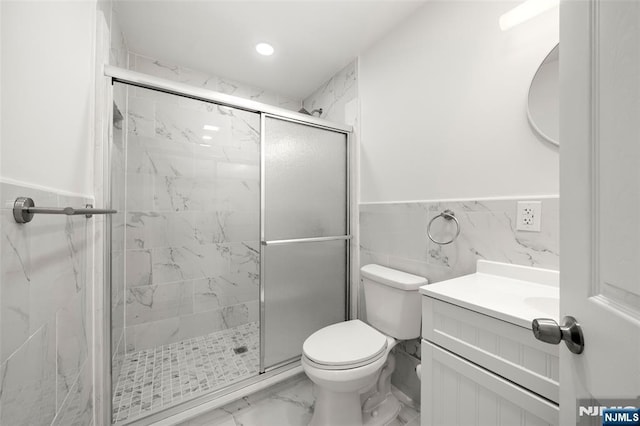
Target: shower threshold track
x,y
154,379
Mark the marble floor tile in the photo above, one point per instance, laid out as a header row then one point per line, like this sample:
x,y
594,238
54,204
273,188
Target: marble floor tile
x,y
215,417
284,405
154,379
289,403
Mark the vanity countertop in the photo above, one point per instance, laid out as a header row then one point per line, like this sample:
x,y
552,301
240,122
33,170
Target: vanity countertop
x,y
512,293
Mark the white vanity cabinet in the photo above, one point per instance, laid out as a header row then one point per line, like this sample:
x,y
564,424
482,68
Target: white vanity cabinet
x,y
481,364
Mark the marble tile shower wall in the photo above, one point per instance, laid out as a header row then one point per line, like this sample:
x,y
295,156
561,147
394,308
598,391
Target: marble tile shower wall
x,y
192,218
228,86
335,95
45,366
394,235
119,50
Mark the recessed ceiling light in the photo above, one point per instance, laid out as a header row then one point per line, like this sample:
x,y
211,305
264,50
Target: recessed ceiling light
x,y
210,127
264,49
207,137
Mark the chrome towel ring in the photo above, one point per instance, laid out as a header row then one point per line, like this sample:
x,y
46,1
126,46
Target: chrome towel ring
x,y
448,215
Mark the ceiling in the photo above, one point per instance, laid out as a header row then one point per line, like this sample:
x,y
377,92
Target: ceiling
x,y
313,39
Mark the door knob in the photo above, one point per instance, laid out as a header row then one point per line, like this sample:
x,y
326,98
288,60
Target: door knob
x,y
548,331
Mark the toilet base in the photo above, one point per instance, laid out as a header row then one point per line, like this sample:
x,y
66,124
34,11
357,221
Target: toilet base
x,y
343,409
375,407
336,408
383,413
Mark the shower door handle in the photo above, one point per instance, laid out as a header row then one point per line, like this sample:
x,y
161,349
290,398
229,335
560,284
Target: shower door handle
x,y
305,240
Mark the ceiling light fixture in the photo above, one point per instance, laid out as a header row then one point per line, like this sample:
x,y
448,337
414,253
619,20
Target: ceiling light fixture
x,y
210,127
264,49
207,137
525,11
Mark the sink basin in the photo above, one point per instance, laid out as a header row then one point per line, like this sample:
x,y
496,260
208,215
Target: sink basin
x,y
512,293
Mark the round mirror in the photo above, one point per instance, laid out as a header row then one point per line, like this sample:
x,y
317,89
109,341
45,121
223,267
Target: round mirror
x,y
543,102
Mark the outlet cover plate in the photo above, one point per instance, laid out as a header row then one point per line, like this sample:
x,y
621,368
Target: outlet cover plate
x,y
529,216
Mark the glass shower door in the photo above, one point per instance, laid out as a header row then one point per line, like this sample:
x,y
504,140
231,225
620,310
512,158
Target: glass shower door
x,y
185,280
304,235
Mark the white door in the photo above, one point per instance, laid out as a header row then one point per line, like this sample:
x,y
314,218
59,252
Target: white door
x,y
600,201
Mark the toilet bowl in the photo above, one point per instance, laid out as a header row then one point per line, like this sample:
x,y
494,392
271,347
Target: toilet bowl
x,y
344,360
350,362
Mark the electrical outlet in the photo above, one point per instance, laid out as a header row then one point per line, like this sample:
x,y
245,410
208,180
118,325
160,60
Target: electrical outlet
x,y
529,216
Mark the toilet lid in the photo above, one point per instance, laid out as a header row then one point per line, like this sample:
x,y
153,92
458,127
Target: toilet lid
x,y
346,343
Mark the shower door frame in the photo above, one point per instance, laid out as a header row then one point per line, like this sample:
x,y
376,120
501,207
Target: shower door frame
x,y
347,237
136,79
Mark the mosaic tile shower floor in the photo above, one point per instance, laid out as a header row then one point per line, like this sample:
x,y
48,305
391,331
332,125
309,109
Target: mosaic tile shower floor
x,y
153,379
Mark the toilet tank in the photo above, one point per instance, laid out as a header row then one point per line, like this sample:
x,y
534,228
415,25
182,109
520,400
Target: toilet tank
x,y
393,301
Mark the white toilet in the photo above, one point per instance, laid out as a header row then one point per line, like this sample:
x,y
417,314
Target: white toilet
x,y
349,362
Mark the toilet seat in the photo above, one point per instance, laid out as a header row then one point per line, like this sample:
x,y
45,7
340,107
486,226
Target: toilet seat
x,y
345,345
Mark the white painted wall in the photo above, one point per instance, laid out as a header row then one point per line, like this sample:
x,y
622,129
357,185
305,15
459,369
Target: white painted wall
x,y
1,36
47,94
443,101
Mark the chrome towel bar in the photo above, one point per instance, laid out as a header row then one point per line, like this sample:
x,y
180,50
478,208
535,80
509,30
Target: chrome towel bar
x,y
24,208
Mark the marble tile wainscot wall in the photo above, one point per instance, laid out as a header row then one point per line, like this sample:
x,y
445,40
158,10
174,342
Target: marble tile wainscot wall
x,y
45,326
395,235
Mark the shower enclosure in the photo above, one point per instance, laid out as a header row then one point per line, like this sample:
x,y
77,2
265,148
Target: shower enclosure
x,y
230,246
